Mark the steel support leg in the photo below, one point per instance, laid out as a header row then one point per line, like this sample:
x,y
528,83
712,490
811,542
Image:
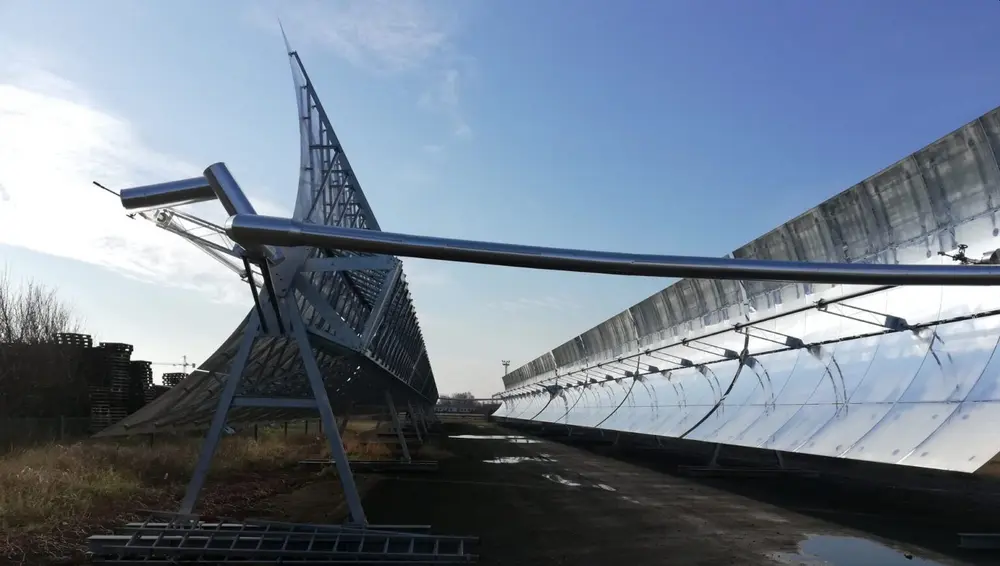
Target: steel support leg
x,y
343,424
714,462
424,420
211,442
337,451
396,424
412,417
431,417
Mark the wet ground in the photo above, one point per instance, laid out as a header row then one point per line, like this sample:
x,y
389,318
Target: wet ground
x,y
539,502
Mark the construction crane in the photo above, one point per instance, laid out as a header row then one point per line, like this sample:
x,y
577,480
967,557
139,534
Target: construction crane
x,y
184,365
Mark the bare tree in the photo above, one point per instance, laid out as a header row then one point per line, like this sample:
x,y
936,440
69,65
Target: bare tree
x,y
465,399
37,377
32,313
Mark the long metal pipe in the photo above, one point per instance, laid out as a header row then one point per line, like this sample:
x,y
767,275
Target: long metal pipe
x,y
173,193
254,229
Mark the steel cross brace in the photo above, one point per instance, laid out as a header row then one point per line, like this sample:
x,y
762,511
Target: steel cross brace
x,y
412,417
397,425
379,308
297,330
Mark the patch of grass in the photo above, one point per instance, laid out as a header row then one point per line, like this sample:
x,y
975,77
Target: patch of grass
x,y
65,491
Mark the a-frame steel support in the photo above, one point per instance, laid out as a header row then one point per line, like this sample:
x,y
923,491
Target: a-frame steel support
x,y
294,329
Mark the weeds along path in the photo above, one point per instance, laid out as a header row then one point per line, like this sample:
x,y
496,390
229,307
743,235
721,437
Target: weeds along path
x,y
53,497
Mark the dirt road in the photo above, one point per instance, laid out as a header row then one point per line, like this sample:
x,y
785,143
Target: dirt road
x,y
539,502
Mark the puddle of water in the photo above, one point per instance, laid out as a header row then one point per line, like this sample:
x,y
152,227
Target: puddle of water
x,y
605,487
508,438
560,480
827,550
518,459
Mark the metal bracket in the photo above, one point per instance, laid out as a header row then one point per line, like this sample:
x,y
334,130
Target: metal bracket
x,y
874,318
676,360
770,336
711,349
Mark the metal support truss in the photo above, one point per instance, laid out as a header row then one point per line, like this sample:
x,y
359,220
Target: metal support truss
x,y
398,426
344,421
715,469
770,336
228,399
320,312
399,432
864,315
712,349
412,418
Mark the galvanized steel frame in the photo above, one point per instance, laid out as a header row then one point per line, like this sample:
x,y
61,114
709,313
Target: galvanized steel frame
x,y
358,303
325,323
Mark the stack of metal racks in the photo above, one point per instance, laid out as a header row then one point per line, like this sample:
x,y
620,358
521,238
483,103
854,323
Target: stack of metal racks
x,y
72,339
172,379
116,366
140,388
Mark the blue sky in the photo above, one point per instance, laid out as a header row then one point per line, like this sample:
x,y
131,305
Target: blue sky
x,y
671,127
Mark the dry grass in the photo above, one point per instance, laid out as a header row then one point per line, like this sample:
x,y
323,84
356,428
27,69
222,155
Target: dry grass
x,y
52,497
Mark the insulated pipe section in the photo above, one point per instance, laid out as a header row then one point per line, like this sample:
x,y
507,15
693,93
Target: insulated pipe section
x,y
228,190
235,201
174,193
254,229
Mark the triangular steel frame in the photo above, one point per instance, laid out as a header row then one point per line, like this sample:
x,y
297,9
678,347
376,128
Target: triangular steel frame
x,y
294,326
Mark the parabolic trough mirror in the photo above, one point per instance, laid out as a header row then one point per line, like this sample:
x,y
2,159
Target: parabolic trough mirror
x,y
895,374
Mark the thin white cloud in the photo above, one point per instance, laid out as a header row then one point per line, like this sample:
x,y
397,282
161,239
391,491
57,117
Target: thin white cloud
x,y
53,142
443,97
268,207
385,37
425,273
379,35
